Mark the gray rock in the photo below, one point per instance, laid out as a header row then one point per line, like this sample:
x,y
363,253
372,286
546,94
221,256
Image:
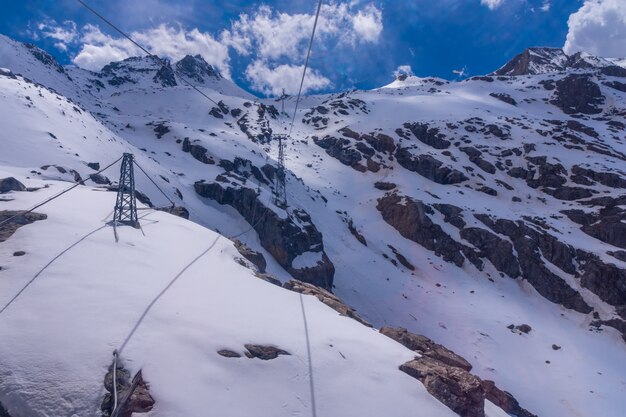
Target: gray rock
x,y
10,184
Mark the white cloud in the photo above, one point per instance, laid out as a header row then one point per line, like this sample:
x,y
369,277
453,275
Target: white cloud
x,y
492,4
545,7
403,70
64,33
599,28
272,35
368,24
98,48
271,81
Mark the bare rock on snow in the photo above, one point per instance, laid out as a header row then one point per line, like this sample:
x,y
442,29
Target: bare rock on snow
x,y
325,297
10,184
227,353
459,390
426,347
264,352
23,218
504,400
255,257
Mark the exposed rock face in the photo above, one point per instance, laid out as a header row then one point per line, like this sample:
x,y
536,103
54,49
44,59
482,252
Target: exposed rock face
x,y
264,352
577,93
165,76
22,219
196,68
504,400
461,391
199,152
429,136
530,246
426,347
608,281
10,184
410,218
505,98
429,167
498,251
446,376
228,353
325,297
285,238
255,257
535,61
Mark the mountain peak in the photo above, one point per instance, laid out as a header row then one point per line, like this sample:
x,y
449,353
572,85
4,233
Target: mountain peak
x,y
196,68
544,60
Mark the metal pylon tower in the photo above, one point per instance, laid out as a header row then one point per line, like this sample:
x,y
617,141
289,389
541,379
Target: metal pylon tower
x,y
280,190
126,203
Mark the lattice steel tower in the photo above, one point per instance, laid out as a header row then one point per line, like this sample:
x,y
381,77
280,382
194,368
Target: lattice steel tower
x,y
280,190
126,203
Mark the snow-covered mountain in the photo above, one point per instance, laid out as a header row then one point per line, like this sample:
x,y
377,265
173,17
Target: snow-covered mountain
x,y
487,215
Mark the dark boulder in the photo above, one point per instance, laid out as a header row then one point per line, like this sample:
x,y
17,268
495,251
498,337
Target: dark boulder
x,y
459,390
264,352
10,184
22,218
429,167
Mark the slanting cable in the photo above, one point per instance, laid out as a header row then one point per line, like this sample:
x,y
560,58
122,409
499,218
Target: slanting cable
x,y
308,350
47,265
46,201
151,55
155,184
306,64
167,287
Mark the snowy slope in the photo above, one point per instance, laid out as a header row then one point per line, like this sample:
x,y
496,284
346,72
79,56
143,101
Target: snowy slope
x,y
64,327
466,308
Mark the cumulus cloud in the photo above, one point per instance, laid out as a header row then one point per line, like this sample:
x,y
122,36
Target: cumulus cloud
x,y
64,33
98,49
271,81
599,28
273,35
492,4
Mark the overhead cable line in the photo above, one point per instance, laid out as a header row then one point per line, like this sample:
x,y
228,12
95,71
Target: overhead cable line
x,y
150,54
306,64
155,184
46,201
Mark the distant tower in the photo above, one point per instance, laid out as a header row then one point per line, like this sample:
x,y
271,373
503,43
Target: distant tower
x,y
280,191
283,100
126,203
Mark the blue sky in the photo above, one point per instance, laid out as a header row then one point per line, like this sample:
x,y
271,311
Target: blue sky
x,y
261,45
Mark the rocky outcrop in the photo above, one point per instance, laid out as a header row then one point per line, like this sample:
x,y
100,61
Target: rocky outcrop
x,y
255,257
459,390
428,135
199,152
446,376
286,238
504,400
499,251
426,347
10,184
607,281
133,396
429,167
410,218
3,411
264,352
22,219
577,93
325,297
531,246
